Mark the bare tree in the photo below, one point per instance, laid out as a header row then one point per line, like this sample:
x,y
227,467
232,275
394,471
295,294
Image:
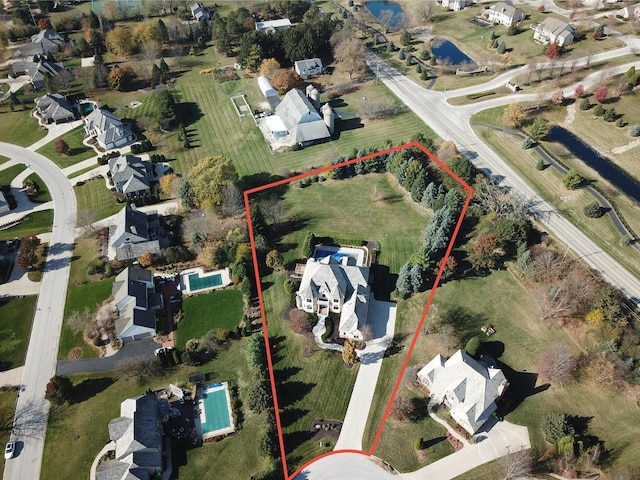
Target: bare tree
x,y
557,363
232,201
425,10
621,87
376,108
494,198
350,56
140,370
62,81
150,51
588,55
85,220
386,18
515,465
274,210
80,320
203,227
447,337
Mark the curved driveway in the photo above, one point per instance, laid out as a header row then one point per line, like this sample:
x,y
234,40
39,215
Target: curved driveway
x,y
42,353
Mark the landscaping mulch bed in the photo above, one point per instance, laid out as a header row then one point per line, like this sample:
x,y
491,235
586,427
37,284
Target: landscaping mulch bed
x,y
322,428
454,442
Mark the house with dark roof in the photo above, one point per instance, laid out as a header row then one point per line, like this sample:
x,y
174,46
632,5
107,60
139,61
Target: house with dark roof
x,y
131,175
109,131
133,233
301,119
505,14
553,30
141,449
4,205
467,387
340,287
37,71
44,42
137,303
54,108
309,67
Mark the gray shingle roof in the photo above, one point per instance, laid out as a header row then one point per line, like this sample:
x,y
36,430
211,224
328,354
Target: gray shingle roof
x,y
130,174
303,122
53,106
507,9
108,126
136,299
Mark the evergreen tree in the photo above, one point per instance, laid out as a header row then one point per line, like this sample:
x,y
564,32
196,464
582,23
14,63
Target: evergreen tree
x,y
454,200
163,31
429,195
403,283
416,278
418,187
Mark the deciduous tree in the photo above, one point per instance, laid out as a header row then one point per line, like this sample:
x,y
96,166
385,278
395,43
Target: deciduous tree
x,y
61,146
59,390
121,78
601,94
208,179
513,115
120,41
28,253
285,79
557,363
268,66
349,355
350,56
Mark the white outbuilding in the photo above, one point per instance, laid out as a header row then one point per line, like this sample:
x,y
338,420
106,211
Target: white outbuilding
x,y
266,88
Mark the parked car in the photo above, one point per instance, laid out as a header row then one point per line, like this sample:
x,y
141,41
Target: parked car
x,y
9,450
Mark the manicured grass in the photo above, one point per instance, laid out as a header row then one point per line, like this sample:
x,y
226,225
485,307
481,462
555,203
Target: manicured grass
x,y
77,150
38,222
8,174
97,198
217,310
3,159
15,329
322,382
83,426
80,172
43,193
19,128
7,410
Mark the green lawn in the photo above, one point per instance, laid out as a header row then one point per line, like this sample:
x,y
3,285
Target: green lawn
x,y
77,150
3,159
38,222
217,310
43,192
83,171
8,174
19,128
83,427
97,198
322,383
7,410
16,317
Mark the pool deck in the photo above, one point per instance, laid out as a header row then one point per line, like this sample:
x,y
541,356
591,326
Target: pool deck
x,y
201,418
186,288
361,253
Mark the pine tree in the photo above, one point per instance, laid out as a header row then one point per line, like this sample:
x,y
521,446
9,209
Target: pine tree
x,y
416,278
403,283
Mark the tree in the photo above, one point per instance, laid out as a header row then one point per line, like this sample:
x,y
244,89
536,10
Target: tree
x,y
601,94
573,179
350,56
425,10
275,260
28,253
61,146
448,150
120,42
167,116
518,464
567,291
59,390
259,396
121,78
208,178
300,321
593,210
285,79
502,48
406,38
513,115
557,98
557,363
232,201
579,91
553,51
146,31
168,183
268,66
146,260
598,33
585,104
539,128
610,115
556,426
349,355
186,194
483,253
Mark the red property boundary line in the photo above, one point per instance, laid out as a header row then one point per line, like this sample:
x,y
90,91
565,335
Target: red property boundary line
x,y
416,335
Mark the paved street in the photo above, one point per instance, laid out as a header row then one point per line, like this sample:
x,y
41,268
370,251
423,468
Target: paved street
x,y
42,353
346,465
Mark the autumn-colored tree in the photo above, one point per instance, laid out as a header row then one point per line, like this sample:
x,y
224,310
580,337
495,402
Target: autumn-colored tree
x,y
146,260
571,293
61,146
483,254
557,98
120,41
579,91
168,183
448,150
268,66
143,32
513,115
121,78
557,363
541,8
601,94
274,260
595,317
28,253
350,56
553,51
285,79
349,355
59,389
208,179
44,23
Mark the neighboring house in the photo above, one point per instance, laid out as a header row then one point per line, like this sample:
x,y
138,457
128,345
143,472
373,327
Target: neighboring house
x,y
630,12
456,5
54,108
131,175
37,71
301,119
309,67
44,42
4,205
469,388
273,25
553,30
328,286
140,451
108,129
137,302
505,14
133,233
199,12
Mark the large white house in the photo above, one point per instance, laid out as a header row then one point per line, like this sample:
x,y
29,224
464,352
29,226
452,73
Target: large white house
x,y
553,30
273,25
309,67
505,14
108,129
469,388
456,5
336,286
630,13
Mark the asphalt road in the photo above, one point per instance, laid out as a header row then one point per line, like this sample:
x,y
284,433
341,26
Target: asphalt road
x,y
452,123
40,363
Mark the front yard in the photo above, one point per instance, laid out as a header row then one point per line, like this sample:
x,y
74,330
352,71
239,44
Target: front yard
x,y
15,330
78,151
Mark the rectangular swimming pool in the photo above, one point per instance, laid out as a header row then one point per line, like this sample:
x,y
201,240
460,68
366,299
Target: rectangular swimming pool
x,y
197,282
215,413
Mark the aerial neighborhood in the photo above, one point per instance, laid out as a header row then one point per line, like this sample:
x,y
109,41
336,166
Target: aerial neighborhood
x,y
334,239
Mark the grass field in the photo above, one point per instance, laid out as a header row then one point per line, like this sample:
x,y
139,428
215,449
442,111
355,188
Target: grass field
x,y
15,330
3,159
97,198
82,426
38,222
77,150
43,192
319,386
19,128
8,174
217,310
7,409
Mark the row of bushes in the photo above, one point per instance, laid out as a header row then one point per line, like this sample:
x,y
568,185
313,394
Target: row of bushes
x,y
143,146
104,159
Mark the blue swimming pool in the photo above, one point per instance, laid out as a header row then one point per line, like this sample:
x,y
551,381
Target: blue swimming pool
x,y
215,409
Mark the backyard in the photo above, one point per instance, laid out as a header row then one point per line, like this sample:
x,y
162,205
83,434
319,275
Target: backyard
x,y
15,329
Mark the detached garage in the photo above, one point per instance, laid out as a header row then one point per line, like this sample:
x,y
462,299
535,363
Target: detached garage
x,y
266,88
276,126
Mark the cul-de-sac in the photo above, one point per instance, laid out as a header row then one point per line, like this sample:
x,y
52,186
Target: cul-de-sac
x,y
320,239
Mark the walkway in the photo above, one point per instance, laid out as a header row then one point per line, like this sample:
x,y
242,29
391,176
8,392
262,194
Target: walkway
x,y
11,377
318,330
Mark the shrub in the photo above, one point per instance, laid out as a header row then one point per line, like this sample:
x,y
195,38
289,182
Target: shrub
x,y
502,48
527,142
472,346
599,110
540,165
418,443
621,123
418,68
635,131
573,179
585,104
610,115
424,54
593,210
401,54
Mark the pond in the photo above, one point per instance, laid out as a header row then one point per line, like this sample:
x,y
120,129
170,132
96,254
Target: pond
x,y
447,52
604,166
387,13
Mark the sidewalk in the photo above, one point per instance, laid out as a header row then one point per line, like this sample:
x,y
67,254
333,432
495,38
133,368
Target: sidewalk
x,y
12,377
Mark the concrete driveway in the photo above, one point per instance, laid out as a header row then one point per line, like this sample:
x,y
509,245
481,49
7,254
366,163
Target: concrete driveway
x,y
345,465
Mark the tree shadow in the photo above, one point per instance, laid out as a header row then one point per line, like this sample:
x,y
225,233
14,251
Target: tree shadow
x,y
294,390
466,322
434,441
259,179
90,388
346,124
292,441
289,416
521,386
190,112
